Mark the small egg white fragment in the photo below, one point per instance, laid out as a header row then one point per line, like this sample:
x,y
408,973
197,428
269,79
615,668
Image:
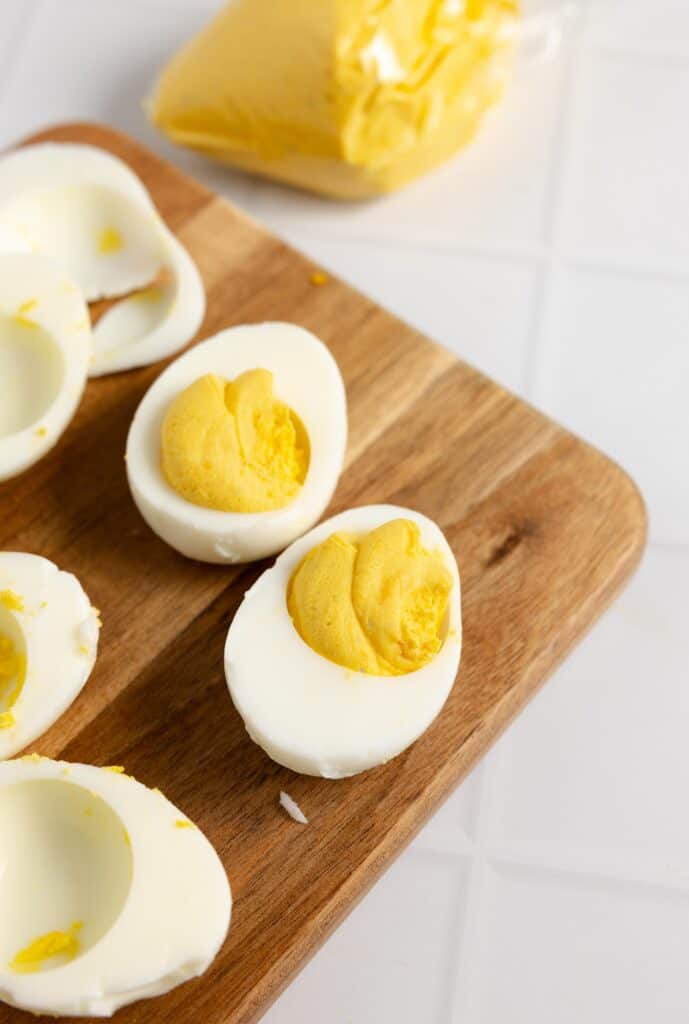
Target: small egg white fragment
x,y
310,714
306,378
48,645
109,893
87,210
45,347
292,808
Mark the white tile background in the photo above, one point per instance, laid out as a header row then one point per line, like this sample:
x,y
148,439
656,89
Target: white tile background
x,y
554,254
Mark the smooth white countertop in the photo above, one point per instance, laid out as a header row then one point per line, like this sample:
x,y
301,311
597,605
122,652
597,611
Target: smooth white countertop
x,y
554,254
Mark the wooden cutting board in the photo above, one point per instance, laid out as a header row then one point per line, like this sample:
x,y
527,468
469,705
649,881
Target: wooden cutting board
x,y
546,531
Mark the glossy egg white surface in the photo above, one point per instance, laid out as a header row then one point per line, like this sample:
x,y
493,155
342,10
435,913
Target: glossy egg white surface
x,y
49,619
93,853
307,378
45,348
308,713
92,216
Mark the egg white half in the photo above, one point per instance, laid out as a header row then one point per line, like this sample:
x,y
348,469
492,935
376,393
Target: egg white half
x,y
57,629
60,197
91,215
307,378
308,713
45,347
84,846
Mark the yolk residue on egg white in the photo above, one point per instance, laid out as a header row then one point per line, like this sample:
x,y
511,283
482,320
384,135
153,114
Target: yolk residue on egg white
x,y
46,947
12,676
375,603
109,240
233,446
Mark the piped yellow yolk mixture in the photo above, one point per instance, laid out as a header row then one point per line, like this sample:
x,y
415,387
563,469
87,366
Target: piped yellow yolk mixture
x,y
47,947
373,604
233,446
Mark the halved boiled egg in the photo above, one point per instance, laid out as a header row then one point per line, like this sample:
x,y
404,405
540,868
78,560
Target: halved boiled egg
x,y
109,893
45,347
91,215
48,645
342,654
237,447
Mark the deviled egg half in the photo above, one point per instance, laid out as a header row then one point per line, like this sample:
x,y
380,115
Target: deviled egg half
x,y
364,626
91,215
237,447
109,893
45,347
48,644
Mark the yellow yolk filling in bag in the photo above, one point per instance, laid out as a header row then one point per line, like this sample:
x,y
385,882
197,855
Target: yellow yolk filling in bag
x,y
350,98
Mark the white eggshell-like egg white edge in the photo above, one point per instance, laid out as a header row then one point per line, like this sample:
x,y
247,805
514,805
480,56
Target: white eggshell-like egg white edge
x,y
43,186
57,629
142,329
51,193
162,923
44,361
307,378
310,714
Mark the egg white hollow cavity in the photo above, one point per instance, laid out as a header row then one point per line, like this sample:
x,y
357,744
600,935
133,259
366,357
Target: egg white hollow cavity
x,y
136,890
91,215
306,378
45,347
310,714
50,622
86,210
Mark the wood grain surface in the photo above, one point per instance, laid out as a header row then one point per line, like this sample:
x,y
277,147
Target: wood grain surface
x,y
546,531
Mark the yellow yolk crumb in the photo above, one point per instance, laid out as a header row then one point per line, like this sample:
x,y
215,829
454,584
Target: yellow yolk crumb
x,y
12,675
182,823
319,277
109,240
233,446
13,602
373,604
118,769
46,947
22,315
41,432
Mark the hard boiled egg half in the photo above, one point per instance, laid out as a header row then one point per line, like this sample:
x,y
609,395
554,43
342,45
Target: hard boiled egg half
x,y
237,447
48,645
92,216
343,653
45,347
109,893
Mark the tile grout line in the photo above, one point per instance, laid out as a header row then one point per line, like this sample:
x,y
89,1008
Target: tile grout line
x,y
648,55
469,954
562,146
19,40
623,873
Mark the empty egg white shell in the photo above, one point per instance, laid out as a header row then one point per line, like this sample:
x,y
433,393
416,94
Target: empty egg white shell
x,y
310,714
45,347
63,200
83,845
152,324
57,631
60,197
307,378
